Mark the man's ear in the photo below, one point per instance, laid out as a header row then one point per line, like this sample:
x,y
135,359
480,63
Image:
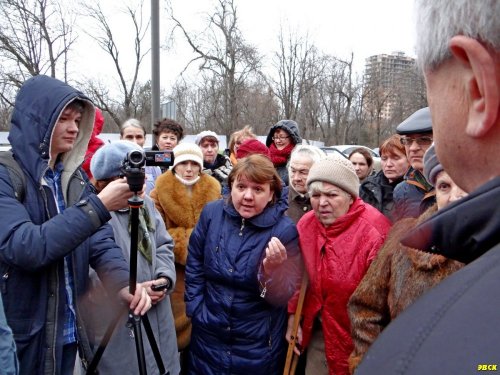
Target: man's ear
x,y
483,93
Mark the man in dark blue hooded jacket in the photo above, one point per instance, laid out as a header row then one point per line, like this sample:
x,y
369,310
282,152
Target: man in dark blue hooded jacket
x,y
49,239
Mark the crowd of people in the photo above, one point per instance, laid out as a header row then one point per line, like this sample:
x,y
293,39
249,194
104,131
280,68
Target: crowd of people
x,y
229,257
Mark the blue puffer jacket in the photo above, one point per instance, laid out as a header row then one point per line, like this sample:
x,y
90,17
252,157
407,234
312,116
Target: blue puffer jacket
x,y
235,329
34,239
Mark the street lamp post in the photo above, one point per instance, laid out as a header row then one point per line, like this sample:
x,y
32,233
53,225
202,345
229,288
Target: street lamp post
x,y
155,61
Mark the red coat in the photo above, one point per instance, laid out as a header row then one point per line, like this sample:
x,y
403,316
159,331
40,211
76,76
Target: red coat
x,y
94,142
336,259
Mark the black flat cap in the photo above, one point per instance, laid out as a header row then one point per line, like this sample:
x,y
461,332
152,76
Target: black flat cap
x,y
419,122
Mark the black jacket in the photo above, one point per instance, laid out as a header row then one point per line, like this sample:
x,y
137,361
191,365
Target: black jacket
x,y
453,329
377,191
220,170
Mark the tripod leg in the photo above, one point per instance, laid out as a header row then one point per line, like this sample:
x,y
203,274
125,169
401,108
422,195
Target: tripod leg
x,y
91,370
154,345
135,322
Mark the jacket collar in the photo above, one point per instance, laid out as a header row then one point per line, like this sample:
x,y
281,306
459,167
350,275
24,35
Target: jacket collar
x,y
464,230
415,177
293,195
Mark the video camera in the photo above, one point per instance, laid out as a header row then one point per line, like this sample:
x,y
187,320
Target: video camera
x,y
135,161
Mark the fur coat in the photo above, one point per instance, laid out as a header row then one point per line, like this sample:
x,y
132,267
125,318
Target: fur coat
x,y
180,211
396,278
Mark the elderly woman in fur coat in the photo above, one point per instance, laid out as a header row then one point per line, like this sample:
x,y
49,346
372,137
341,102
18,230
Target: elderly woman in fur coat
x,y
180,194
399,274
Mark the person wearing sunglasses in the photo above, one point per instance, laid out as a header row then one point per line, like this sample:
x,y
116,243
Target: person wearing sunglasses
x,y
281,139
414,194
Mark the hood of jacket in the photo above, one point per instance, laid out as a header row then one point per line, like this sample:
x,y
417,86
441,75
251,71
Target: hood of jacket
x,y
290,127
39,103
464,230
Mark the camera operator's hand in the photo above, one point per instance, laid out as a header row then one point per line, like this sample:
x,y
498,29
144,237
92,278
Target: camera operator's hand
x,y
116,194
156,296
140,302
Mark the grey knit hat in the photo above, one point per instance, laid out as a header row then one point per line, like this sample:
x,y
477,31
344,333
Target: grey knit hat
x,y
432,166
107,160
336,170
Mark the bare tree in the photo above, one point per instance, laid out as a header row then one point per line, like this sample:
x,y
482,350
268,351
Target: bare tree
x,y
327,109
226,62
260,107
298,67
409,95
130,102
35,38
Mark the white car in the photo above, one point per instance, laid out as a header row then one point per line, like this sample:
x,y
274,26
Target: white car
x,y
347,149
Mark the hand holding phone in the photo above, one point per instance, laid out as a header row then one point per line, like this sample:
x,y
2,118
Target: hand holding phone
x,y
161,287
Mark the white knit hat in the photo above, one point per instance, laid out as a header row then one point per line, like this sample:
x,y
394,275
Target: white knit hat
x,y
336,170
187,151
206,133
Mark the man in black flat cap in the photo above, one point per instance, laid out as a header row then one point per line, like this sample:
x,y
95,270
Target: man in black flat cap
x,y
415,194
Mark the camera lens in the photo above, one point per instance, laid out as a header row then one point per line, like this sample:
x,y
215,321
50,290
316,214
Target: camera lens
x,y
136,158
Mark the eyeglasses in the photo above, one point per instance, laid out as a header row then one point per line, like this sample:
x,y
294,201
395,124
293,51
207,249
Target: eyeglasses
x,y
280,138
421,141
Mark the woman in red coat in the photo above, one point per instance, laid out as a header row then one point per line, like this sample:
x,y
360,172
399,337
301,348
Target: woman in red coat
x,y
339,239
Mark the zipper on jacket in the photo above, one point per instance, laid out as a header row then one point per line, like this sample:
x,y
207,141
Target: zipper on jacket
x,y
242,227
270,333
264,291
5,278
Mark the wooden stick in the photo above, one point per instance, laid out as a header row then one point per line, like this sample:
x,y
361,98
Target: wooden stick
x,y
291,357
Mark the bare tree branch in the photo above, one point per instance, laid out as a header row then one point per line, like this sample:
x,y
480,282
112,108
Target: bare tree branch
x,y
105,37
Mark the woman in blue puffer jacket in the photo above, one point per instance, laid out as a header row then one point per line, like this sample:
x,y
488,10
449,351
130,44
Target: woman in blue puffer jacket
x,y
243,266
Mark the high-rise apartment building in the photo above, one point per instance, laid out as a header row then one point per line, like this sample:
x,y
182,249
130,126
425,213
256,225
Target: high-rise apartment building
x,y
392,84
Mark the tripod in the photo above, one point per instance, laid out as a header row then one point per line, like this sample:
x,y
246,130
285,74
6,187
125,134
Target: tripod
x,y
134,321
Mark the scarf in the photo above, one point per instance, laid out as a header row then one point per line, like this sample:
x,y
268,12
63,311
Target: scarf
x,y
146,227
187,182
280,157
233,159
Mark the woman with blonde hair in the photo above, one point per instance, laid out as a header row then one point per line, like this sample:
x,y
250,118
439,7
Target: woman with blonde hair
x,y
236,139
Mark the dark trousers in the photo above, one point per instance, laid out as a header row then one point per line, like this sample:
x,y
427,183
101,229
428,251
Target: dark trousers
x,y
68,359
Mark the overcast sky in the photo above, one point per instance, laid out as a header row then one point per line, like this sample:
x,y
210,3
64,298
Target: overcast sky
x,y
337,27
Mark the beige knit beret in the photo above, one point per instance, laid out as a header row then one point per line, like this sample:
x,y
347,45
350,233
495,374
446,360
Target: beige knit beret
x,y
187,151
336,170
